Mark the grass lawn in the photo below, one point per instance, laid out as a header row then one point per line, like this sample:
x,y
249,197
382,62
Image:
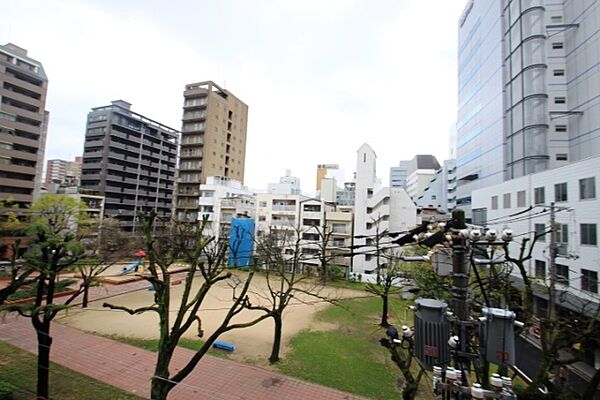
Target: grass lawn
x,y
350,358
18,367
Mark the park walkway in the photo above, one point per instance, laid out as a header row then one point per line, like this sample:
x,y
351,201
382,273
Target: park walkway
x,y
130,368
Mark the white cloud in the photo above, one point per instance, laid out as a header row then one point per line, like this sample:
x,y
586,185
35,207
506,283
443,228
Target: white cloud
x,y
320,78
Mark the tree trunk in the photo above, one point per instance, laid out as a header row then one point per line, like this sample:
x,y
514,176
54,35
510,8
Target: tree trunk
x,y
44,343
277,339
160,389
384,311
161,385
84,302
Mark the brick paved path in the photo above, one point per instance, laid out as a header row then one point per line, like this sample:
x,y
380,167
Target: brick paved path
x,y
130,368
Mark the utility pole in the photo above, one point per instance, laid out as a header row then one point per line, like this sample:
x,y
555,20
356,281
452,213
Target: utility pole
x,y
552,264
460,285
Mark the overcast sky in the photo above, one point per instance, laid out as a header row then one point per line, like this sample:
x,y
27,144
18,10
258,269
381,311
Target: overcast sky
x,y
320,77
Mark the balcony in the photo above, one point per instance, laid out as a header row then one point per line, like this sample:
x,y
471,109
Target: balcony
x,y
194,115
197,140
282,207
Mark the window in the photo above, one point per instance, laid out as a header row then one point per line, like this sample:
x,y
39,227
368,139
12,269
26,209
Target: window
x,y
560,100
556,18
521,198
479,216
560,192
562,157
539,194
557,45
494,202
558,72
561,233
560,128
540,269
587,188
540,229
588,234
262,218
589,281
506,200
562,274
262,203
311,222
312,207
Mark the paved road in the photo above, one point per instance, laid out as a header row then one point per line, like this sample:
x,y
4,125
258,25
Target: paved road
x,y
130,368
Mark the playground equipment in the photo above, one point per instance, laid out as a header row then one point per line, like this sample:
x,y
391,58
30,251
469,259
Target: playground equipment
x,y
223,345
131,267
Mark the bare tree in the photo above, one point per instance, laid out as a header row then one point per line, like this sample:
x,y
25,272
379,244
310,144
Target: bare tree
x,y
401,348
206,257
281,254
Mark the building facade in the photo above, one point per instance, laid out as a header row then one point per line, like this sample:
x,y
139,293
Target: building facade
x,y
287,184
63,172
213,140
378,210
399,174
527,89
479,129
420,171
220,200
23,125
130,160
345,196
440,193
523,205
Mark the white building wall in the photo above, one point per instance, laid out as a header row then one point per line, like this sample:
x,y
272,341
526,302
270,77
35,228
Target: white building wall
x,y
573,212
212,192
582,50
376,210
417,181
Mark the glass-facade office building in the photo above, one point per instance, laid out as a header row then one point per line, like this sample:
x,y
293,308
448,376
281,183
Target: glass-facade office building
x,y
480,139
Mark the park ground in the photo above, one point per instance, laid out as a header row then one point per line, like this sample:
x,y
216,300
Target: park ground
x,y
335,346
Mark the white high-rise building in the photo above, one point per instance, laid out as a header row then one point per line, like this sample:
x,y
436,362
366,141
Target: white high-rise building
x,y
377,210
528,84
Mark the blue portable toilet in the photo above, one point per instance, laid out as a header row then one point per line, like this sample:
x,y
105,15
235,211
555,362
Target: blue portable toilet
x,y
241,242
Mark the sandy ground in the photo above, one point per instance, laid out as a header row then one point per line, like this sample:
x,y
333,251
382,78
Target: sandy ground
x,y
253,344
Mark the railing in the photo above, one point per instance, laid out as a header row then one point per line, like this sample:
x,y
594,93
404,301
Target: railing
x,y
279,207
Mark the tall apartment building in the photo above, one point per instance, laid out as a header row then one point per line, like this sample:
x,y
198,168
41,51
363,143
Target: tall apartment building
x,y
213,141
23,124
63,171
527,89
130,159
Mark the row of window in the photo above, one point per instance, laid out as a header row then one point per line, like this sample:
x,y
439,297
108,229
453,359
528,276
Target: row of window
x,y
588,233
587,190
589,278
